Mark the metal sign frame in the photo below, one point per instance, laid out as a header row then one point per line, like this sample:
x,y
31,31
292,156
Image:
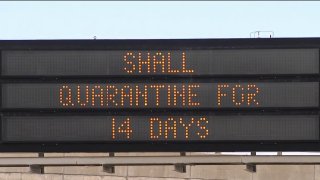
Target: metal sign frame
x,y
163,146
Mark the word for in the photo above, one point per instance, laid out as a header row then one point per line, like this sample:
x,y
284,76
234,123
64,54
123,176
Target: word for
x,y
239,94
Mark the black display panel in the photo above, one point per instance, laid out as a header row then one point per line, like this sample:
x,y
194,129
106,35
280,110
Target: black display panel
x,y
160,95
175,95
159,128
159,62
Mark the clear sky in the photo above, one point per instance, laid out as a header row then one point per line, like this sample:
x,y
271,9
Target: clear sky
x,y
130,20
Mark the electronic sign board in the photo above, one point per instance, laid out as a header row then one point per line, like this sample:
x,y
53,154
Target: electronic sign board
x,y
160,95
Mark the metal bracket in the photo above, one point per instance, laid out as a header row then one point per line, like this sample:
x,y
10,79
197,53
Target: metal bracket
x,y
38,169
182,168
252,167
262,34
107,167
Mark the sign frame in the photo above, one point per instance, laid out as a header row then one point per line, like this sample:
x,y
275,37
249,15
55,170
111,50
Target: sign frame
x,y
176,44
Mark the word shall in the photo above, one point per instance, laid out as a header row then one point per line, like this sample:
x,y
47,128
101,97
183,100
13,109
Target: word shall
x,y
157,62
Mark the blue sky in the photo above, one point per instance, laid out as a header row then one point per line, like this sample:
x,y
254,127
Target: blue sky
x,y
130,20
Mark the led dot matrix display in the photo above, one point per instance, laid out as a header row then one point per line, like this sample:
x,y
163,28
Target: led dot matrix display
x,y
159,95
